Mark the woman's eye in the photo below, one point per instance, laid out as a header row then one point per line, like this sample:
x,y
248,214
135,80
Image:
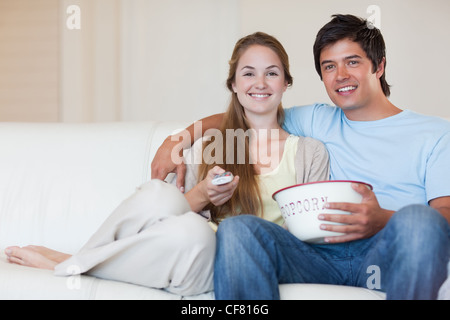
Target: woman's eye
x,y
272,74
248,74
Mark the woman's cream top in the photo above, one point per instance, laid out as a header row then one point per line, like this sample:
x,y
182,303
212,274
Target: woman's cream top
x,y
304,160
282,176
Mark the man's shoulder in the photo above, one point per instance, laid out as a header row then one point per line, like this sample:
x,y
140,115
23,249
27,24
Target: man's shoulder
x,y
430,121
315,107
303,120
312,111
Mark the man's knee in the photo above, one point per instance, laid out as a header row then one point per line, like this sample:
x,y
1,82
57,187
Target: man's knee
x,y
419,217
420,225
236,224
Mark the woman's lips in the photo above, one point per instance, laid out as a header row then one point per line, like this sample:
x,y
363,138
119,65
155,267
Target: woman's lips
x,y
259,95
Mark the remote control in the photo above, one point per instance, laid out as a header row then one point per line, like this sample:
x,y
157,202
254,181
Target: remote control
x,y
223,178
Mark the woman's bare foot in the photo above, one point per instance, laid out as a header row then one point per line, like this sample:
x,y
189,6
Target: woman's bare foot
x,y
36,257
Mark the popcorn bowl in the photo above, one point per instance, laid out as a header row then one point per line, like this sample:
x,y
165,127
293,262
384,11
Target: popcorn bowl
x,y
302,204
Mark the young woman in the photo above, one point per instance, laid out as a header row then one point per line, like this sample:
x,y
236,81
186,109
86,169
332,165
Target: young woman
x,y
156,238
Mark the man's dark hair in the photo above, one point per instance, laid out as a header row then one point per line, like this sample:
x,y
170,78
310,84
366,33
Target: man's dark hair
x,y
358,30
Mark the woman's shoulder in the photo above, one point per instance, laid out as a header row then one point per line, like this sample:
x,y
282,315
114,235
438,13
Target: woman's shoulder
x,y
308,143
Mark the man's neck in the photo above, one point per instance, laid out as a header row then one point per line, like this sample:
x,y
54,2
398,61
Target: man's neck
x,y
378,110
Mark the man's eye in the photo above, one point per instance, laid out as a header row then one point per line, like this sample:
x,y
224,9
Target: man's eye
x,y
328,67
353,62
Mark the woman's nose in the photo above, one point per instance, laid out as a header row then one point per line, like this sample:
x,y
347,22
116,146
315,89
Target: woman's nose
x,y
260,82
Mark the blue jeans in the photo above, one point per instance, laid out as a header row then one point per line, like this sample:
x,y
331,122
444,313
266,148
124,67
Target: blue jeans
x,y
407,259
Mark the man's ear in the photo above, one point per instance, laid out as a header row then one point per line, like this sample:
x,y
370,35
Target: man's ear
x,y
380,69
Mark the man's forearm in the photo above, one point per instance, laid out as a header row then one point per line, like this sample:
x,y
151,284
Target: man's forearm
x,y
442,205
445,211
169,156
195,131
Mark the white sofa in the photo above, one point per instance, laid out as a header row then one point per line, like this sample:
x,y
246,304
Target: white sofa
x,y
58,182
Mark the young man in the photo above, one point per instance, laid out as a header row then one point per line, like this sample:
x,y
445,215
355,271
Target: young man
x,y
401,228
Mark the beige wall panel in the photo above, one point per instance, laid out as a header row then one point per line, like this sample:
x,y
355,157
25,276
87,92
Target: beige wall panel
x,y
29,56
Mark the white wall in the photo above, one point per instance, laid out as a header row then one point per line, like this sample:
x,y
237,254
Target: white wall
x,y
168,59
135,60
416,35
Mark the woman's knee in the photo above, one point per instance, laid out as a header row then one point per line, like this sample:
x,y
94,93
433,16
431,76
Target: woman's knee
x,y
160,198
191,231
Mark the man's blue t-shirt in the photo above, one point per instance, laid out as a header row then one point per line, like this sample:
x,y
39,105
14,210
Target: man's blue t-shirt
x,y
406,157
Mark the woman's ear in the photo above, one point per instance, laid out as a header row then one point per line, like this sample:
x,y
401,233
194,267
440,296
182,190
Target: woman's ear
x,y
233,85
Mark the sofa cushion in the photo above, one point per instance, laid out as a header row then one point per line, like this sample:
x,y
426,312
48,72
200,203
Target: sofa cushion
x,y
23,283
58,182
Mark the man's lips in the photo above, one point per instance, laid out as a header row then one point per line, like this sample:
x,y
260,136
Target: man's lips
x,y
346,90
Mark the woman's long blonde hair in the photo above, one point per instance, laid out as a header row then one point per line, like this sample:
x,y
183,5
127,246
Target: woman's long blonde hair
x,y
246,198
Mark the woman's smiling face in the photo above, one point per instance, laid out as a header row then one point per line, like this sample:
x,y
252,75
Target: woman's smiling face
x,y
259,81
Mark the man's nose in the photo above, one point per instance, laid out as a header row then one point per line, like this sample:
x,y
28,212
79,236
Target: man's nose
x,y
342,73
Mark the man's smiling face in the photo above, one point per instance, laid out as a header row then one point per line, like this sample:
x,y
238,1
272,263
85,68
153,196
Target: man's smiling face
x,y
347,74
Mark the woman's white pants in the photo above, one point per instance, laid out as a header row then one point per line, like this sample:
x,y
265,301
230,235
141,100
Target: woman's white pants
x,y
152,239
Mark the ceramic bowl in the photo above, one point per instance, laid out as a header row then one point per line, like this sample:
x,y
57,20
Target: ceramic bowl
x,y
301,205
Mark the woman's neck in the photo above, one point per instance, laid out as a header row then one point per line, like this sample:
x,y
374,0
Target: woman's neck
x,y
266,145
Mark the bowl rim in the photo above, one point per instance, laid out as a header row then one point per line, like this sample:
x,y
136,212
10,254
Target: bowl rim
x,y
317,182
